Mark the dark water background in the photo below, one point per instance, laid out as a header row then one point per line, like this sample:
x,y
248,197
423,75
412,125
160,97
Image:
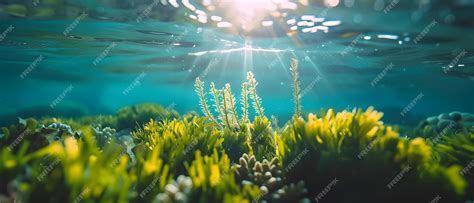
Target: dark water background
x,y
419,52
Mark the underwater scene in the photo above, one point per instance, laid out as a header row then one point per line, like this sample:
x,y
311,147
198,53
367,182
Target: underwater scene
x,y
272,101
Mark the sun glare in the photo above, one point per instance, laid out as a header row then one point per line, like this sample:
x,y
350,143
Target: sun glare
x,y
249,14
250,7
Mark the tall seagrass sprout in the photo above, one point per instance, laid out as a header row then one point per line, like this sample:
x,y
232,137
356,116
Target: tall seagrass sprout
x,y
225,105
296,86
225,102
257,102
245,102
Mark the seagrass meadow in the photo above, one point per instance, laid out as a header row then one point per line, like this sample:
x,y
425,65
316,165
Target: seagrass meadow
x,y
347,156
236,101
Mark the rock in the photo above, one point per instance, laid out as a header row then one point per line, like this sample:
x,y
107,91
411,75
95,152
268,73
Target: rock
x,y
61,126
51,2
16,10
455,115
42,12
180,197
443,124
171,188
104,136
467,117
469,124
444,116
72,12
446,123
432,120
177,191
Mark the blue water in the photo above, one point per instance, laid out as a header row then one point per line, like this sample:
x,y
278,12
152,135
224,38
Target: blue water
x,y
109,60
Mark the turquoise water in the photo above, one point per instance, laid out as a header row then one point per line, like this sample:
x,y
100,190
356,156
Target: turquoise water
x,y
71,64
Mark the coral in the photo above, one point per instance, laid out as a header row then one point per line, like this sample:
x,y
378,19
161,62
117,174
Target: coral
x,y
176,192
290,193
104,136
264,174
268,176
